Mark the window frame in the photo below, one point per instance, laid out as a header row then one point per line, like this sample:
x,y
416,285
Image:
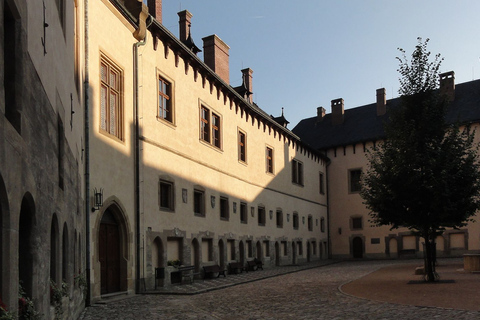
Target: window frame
x,y
224,209
170,194
269,160
199,194
242,146
295,221
321,178
243,212
210,130
353,223
354,186
297,172
118,92
261,215
279,218
168,95
310,223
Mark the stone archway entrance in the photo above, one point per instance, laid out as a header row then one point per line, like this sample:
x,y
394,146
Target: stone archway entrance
x,y
357,247
109,250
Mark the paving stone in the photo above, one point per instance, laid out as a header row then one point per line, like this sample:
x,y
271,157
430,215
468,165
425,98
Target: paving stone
x,y
295,292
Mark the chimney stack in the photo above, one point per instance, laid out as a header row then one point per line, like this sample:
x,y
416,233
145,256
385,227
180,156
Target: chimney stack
x,y
185,18
447,85
337,111
247,80
320,114
381,101
215,54
155,9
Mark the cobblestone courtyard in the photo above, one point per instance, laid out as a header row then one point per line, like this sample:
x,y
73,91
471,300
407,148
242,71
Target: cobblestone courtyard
x,y
307,294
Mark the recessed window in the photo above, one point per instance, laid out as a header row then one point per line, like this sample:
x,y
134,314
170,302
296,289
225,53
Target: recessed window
x,y
322,183
166,195
242,146
297,172
210,127
199,202
357,223
224,210
261,216
310,223
300,248
269,159
295,221
243,212
279,216
249,248
322,224
355,180
165,109
111,105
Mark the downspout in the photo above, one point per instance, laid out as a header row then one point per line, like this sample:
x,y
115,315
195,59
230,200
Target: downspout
x,y
86,87
137,156
329,241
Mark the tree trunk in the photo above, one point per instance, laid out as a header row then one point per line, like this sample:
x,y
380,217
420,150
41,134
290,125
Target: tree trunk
x,y
429,258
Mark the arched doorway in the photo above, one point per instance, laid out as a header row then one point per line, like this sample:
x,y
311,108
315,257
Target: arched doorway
x,y
357,247
196,255
241,248
25,236
221,253
259,250
277,254
308,251
157,253
294,252
109,251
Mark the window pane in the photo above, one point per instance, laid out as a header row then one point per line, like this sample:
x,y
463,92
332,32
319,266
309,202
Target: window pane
x,y
113,115
103,107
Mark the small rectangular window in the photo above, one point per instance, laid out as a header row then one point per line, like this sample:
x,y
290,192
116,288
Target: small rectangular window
x,y
224,210
279,216
269,159
242,146
243,212
199,202
355,180
261,216
295,221
216,130
210,127
357,223
166,195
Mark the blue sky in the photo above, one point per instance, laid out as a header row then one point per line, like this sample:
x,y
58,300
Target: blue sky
x,y
306,53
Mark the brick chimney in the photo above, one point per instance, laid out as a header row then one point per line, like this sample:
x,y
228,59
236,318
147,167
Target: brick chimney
x,y
247,80
337,111
184,23
381,101
215,54
447,85
320,114
155,9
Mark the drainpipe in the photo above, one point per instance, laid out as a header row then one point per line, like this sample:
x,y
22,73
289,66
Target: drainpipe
x,y
86,87
329,241
137,156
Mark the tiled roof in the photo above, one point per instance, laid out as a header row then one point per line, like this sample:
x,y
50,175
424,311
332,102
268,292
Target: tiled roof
x,y
362,123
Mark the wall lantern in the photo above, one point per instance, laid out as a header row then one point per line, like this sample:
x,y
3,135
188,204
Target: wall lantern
x,y
97,199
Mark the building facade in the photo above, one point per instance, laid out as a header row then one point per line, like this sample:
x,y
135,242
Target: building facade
x,y
345,136
190,167
42,225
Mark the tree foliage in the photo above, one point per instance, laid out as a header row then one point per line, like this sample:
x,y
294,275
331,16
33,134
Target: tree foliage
x,y
425,176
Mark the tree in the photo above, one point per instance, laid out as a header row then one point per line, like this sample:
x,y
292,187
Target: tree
x,y
425,175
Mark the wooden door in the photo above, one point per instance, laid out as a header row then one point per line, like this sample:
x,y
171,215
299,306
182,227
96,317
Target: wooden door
x,y
357,244
109,256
